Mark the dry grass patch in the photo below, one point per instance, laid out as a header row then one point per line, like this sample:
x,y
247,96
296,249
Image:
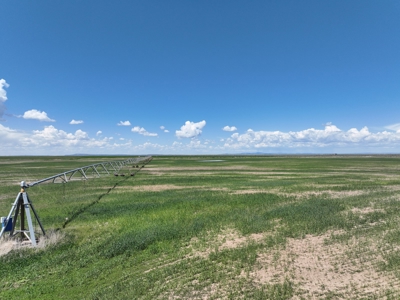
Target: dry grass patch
x,y
52,237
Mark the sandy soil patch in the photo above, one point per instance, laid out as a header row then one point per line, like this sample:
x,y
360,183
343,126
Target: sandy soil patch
x,y
7,246
228,238
393,188
305,194
330,193
165,187
319,269
151,172
18,161
231,239
183,174
366,210
154,188
253,191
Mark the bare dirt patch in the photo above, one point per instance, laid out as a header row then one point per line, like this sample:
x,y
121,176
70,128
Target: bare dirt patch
x,y
19,161
156,173
304,194
231,239
366,210
154,188
228,238
319,270
165,187
393,188
7,246
251,191
332,194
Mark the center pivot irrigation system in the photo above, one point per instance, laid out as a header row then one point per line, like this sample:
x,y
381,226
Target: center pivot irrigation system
x,y
22,204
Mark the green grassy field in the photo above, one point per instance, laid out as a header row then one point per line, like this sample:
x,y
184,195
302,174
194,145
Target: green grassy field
x,y
221,227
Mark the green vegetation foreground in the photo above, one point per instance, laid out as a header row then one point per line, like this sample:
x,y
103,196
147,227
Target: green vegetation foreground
x,y
210,228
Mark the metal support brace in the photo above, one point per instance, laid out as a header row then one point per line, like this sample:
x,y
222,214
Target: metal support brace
x,y
82,172
21,209
105,169
94,168
31,236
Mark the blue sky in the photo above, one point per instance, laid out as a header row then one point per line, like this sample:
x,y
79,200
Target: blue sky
x,y
199,77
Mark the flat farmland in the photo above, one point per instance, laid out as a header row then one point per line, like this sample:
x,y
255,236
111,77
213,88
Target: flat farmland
x,y
209,227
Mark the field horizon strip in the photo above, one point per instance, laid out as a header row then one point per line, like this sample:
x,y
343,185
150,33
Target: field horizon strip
x,y
209,227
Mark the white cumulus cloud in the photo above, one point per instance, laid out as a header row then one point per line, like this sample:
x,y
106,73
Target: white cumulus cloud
x,y
143,131
190,129
75,122
37,115
228,128
54,135
3,96
99,132
3,93
164,129
124,123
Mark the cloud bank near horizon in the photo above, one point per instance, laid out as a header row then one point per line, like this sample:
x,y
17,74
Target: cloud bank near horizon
x,y
51,141
312,138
